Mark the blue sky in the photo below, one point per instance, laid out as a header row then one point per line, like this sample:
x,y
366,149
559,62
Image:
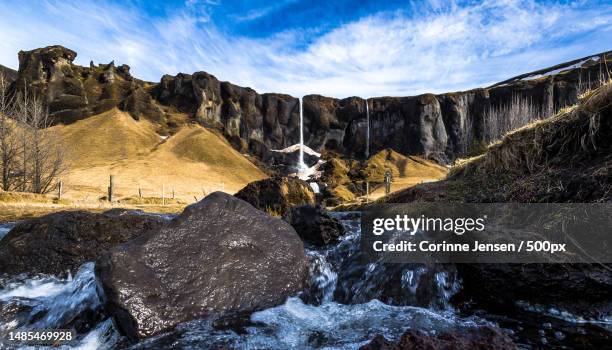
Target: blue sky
x,y
335,48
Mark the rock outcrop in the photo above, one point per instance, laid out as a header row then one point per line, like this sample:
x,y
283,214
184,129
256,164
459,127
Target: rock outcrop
x,y
441,127
9,74
61,242
477,338
220,256
277,195
315,226
74,92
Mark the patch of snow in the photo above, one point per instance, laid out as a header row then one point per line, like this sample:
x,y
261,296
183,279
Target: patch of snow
x,y
562,69
296,147
314,186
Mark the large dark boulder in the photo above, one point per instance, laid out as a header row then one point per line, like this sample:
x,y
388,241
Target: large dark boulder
x,y
476,338
61,242
277,195
221,256
315,226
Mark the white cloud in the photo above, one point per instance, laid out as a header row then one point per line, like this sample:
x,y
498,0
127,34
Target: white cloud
x,y
444,48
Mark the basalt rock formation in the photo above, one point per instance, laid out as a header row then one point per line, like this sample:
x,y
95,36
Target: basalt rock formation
x,y
61,242
73,92
221,256
440,127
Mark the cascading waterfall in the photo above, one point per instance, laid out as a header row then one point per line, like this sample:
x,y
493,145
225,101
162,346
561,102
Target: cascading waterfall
x,y
367,152
301,165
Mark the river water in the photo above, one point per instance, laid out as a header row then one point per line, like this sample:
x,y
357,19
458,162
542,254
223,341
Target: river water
x,y
344,305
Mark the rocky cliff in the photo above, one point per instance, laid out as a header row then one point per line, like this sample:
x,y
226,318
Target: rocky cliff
x,y
440,127
10,74
73,92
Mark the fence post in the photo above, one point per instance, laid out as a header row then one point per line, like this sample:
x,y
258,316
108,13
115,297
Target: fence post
x,y
139,192
163,194
110,188
59,190
173,193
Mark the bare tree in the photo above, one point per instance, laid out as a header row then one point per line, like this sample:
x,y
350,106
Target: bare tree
x,y
39,150
46,153
8,141
21,115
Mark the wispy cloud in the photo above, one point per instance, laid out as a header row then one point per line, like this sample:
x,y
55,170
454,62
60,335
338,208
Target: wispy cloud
x,y
263,11
426,48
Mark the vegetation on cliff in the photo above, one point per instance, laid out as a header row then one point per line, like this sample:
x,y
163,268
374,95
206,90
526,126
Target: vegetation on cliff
x,y
565,158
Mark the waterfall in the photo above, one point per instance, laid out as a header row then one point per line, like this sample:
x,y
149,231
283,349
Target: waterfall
x,y
367,152
301,164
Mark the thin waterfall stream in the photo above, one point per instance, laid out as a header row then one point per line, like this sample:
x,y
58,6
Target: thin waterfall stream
x,y
367,152
301,164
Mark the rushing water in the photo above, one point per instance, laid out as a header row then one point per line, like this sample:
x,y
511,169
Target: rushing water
x,y
51,303
5,228
345,304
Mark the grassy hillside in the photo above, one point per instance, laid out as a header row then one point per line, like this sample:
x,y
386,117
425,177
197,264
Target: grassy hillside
x,y
110,136
406,171
567,157
347,179
192,162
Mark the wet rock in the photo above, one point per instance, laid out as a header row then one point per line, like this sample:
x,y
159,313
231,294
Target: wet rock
x,y
61,242
465,339
277,195
220,256
17,311
395,284
314,225
571,287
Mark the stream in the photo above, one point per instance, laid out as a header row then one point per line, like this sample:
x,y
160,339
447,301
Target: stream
x,y
345,304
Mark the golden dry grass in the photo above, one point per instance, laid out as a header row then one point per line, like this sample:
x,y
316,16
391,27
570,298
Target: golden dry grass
x,y
529,149
407,171
193,162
